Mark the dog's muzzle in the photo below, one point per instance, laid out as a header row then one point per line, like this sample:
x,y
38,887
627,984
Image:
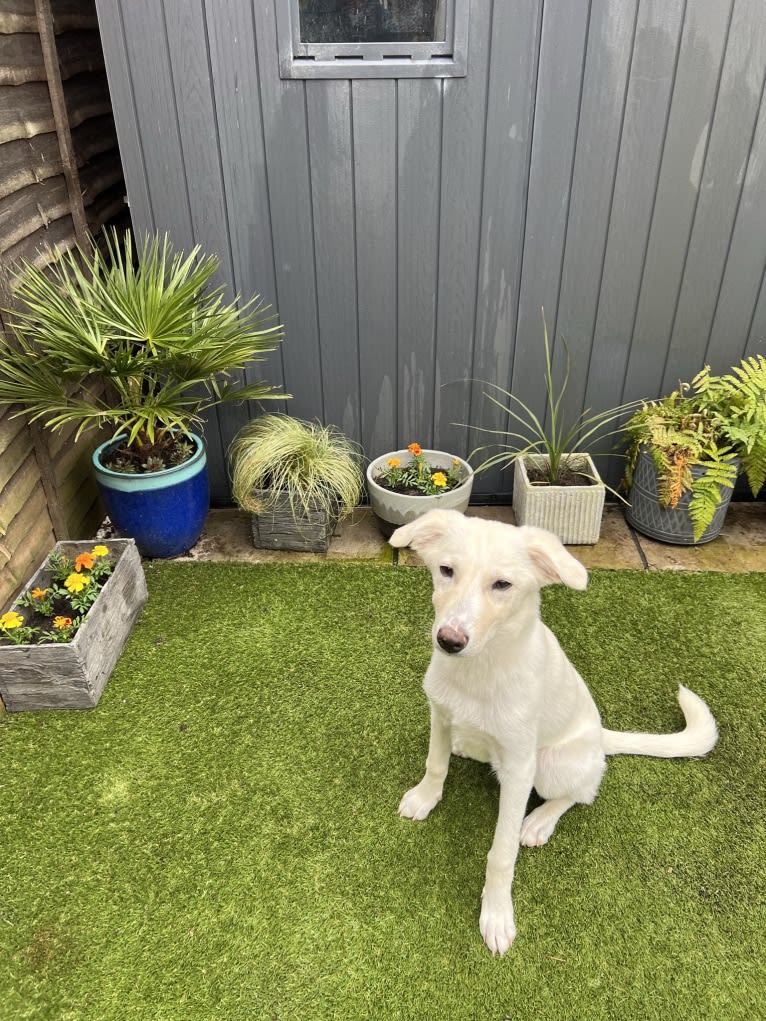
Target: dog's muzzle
x,y
451,640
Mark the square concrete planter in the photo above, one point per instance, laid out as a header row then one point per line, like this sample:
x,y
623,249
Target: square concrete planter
x,y
73,675
573,513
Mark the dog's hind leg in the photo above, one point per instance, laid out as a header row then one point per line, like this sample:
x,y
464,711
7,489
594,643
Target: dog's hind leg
x,y
567,774
541,821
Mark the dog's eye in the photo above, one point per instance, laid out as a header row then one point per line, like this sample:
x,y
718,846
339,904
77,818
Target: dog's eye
x,y
446,571
501,586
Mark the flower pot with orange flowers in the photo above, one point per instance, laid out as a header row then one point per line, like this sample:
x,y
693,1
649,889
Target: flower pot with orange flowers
x,y
63,635
404,484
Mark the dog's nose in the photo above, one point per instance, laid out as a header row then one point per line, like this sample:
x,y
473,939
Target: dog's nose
x,y
451,640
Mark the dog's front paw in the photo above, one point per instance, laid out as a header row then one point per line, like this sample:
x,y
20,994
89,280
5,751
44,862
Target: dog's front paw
x,y
419,801
496,923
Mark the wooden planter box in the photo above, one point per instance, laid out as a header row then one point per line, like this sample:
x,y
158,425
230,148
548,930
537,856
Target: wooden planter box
x,y
72,675
278,529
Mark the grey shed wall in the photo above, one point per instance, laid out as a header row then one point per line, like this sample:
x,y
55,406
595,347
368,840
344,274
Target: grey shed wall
x,y
603,159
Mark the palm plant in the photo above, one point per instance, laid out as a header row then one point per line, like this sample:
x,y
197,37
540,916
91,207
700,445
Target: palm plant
x,y
315,467
144,349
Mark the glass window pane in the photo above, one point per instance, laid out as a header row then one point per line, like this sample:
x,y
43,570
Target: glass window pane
x,y
372,21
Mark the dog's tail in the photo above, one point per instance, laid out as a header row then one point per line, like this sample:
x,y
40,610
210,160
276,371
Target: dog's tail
x,y
697,738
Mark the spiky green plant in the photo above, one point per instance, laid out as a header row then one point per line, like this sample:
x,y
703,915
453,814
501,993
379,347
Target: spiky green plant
x,y
555,441
710,424
316,466
142,348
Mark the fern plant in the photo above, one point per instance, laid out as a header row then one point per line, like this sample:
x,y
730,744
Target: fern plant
x,y
700,434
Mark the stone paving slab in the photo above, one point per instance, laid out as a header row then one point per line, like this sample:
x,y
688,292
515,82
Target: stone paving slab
x,y
740,547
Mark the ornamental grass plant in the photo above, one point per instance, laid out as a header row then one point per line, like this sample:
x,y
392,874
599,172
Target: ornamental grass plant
x,y
139,342
316,467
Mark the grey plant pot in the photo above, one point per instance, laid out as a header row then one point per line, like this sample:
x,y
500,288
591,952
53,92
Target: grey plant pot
x,y
394,509
674,524
279,529
573,513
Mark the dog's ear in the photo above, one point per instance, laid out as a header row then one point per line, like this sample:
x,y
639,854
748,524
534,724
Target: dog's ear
x,y
425,530
551,562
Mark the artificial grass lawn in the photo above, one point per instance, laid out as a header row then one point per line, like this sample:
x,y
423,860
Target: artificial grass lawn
x,y
219,838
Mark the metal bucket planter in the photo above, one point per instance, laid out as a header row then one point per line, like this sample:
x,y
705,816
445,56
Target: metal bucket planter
x,y
395,509
73,675
279,528
674,524
573,513
163,511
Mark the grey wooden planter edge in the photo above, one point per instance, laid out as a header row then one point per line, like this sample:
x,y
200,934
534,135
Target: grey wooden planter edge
x,y
73,675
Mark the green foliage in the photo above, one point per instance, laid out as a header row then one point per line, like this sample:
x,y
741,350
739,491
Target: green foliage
x,y
706,425
143,349
418,476
556,441
739,400
316,466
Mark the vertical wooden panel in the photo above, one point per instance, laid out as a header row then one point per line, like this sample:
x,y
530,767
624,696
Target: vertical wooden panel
x,y
609,47
152,86
125,114
650,86
721,184
696,86
374,144
564,31
285,140
192,87
328,107
508,145
746,258
419,119
237,98
463,139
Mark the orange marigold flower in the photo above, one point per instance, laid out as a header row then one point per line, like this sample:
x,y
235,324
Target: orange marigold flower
x,y
61,622
439,479
415,449
394,462
84,560
39,593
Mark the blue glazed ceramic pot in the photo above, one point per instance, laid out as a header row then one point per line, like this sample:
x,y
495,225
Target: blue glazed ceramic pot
x,y
163,511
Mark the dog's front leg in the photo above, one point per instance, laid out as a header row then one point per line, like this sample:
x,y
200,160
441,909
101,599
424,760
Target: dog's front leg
x,y
418,802
496,921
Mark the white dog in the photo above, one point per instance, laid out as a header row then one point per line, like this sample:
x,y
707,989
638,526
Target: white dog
x,y
502,691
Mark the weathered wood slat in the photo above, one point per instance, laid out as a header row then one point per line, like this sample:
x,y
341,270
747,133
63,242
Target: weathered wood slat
x,y
25,111
25,537
21,58
20,15
30,161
